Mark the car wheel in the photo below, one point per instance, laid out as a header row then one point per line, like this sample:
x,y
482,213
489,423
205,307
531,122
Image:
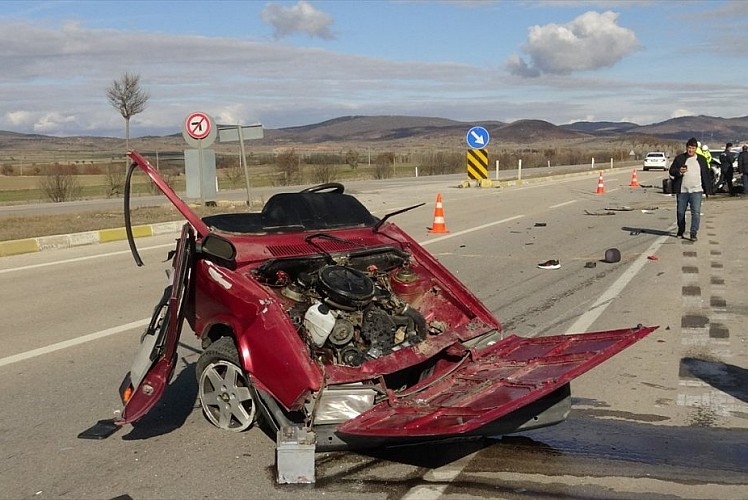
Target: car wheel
x,y
224,389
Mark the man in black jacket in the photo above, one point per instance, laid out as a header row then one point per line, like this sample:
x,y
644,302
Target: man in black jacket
x,y
726,159
743,169
691,181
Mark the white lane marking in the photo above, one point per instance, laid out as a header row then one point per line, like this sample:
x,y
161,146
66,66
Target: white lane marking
x,y
563,204
439,479
467,231
73,342
602,303
81,259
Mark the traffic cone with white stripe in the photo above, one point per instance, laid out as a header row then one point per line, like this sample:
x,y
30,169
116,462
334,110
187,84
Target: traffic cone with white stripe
x,y
634,180
600,185
439,225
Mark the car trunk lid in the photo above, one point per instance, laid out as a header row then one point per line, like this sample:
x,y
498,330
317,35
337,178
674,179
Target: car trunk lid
x,y
489,384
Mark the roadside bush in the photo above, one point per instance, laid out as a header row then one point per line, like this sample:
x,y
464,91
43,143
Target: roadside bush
x,y
7,170
60,183
322,174
287,165
115,180
383,164
323,159
231,169
351,158
442,162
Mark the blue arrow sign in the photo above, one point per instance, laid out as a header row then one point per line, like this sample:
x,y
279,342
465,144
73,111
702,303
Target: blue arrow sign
x,y
477,138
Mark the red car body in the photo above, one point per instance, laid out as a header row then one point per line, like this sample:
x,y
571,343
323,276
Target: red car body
x,y
315,313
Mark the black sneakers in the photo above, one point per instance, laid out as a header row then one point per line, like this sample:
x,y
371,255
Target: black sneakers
x,y
550,264
694,238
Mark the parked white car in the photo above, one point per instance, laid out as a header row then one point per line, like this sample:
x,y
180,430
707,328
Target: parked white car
x,y
656,159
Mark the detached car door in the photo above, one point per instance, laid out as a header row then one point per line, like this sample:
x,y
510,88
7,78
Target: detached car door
x,y
154,363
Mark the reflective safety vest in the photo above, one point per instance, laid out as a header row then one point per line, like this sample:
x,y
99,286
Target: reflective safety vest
x,y
706,154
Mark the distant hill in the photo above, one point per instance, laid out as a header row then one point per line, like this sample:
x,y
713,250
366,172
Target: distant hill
x,y
601,128
412,131
707,129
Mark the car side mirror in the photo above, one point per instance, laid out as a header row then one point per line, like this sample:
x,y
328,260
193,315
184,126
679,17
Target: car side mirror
x,y
218,250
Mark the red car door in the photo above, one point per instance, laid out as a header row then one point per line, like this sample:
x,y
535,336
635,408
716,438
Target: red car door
x,y
154,364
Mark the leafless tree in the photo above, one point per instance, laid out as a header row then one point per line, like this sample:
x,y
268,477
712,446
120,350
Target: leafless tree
x,y
60,183
288,165
126,96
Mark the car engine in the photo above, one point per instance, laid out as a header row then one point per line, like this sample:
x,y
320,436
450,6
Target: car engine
x,y
348,316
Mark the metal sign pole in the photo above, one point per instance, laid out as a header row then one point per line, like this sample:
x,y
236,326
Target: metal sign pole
x,y
244,164
201,170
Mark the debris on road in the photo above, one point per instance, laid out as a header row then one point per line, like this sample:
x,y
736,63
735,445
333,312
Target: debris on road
x,y
587,212
612,255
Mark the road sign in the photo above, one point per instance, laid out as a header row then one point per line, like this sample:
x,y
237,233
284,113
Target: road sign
x,y
199,130
477,164
477,138
231,133
198,125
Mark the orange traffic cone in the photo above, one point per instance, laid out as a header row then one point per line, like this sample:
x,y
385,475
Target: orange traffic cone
x,y
439,225
600,185
634,181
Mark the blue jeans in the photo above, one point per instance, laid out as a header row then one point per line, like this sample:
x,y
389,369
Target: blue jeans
x,y
684,200
745,184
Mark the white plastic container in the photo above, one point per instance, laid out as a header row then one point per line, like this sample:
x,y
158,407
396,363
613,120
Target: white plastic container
x,y
319,321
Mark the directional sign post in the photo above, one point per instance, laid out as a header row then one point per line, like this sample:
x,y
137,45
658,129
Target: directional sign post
x,y
477,138
229,133
477,156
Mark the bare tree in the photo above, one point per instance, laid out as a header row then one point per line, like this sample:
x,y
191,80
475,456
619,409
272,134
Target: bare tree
x,y
60,183
126,96
288,164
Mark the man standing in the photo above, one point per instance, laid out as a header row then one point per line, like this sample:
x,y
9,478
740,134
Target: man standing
x,y
725,165
690,174
743,168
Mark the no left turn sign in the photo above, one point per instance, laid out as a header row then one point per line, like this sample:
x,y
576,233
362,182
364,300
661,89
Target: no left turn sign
x,y
199,130
198,125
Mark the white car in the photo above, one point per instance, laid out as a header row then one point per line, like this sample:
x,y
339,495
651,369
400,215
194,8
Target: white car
x,y
656,159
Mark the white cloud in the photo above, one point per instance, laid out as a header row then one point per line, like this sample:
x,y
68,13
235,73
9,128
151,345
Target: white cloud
x,y
19,118
681,112
300,18
591,41
53,122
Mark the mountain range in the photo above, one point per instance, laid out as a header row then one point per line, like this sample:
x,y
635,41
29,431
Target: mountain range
x,y
412,131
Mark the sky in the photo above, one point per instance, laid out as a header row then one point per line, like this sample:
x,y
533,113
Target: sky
x,y
294,63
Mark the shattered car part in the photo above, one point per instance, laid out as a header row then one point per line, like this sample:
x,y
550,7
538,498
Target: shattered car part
x,y
314,314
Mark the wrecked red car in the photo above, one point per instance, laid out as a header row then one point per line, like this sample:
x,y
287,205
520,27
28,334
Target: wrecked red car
x,y
315,314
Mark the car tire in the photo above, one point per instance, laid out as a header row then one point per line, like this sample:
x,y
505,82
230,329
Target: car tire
x,y
226,395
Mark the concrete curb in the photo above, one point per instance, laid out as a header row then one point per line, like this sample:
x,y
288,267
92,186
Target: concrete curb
x,y
30,245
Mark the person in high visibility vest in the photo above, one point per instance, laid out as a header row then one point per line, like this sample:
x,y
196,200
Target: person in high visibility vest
x,y
704,151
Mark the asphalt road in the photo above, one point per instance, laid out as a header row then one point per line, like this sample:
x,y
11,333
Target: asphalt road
x,y
668,417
